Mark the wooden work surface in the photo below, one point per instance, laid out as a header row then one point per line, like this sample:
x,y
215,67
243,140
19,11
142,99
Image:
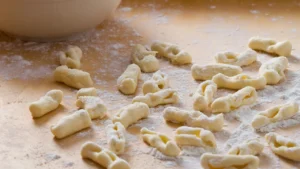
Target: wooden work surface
x,y
201,28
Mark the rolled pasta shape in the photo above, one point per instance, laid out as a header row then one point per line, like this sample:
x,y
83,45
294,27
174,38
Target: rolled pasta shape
x,y
162,97
208,71
283,48
46,104
71,124
225,104
103,157
172,52
127,82
131,114
73,77
161,142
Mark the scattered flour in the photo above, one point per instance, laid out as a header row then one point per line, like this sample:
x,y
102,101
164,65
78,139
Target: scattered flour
x,y
242,133
274,19
254,11
51,157
195,151
162,19
212,7
67,164
270,159
17,67
126,9
106,42
295,120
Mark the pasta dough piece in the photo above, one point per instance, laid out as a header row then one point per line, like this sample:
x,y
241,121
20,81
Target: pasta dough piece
x,y
161,142
208,71
158,82
131,114
218,161
194,118
166,96
71,57
239,81
172,52
283,146
93,105
73,77
71,124
127,82
189,136
116,137
204,94
213,123
46,104
283,48
275,114
249,147
243,59
86,92
273,70
103,157
225,104
176,115
145,59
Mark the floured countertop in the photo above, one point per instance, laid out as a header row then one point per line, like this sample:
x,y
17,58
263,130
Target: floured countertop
x,y
201,28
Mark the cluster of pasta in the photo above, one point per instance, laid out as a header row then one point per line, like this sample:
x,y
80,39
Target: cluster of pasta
x,y
197,128
227,73
90,106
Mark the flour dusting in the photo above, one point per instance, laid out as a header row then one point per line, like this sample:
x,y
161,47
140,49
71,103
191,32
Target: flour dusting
x,y
196,151
293,121
111,43
51,157
17,67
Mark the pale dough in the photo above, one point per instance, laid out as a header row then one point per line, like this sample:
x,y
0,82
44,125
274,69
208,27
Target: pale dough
x,y
128,81
243,59
46,104
73,77
162,97
93,105
71,57
275,114
199,119
219,161
239,81
190,136
131,114
172,52
144,58
161,142
273,70
283,146
116,140
86,92
204,94
249,147
103,157
194,118
225,104
158,82
283,48
208,71
71,124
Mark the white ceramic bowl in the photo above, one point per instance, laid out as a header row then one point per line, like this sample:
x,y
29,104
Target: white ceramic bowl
x,y
52,19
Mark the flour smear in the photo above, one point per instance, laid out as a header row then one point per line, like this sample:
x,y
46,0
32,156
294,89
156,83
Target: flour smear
x,y
106,41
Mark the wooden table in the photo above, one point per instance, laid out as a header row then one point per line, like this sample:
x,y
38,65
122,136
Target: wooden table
x,y
200,27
